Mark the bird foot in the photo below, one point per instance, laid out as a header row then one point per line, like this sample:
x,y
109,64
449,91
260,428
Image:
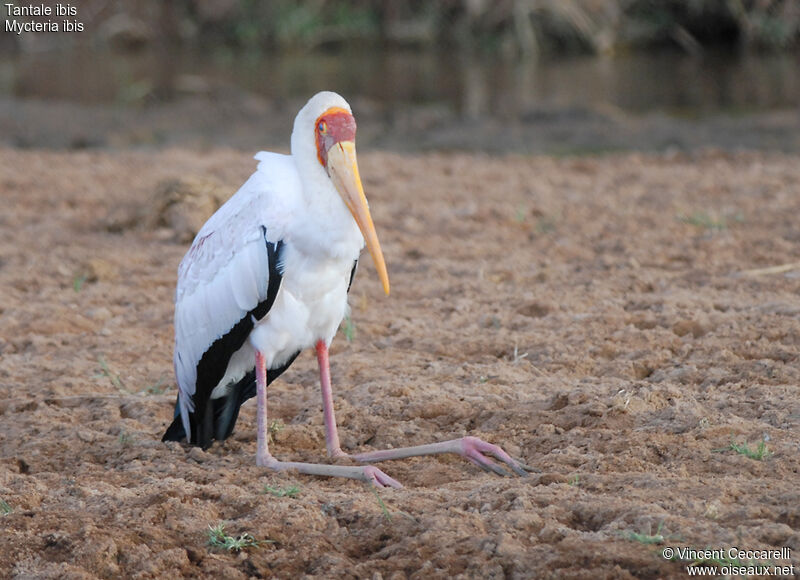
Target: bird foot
x,y
338,454
378,478
473,449
367,473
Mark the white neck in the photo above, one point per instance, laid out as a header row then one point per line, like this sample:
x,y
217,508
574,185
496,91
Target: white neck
x,y
327,228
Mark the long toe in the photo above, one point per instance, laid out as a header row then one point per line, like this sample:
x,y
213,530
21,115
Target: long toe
x,y
378,478
488,465
523,469
476,450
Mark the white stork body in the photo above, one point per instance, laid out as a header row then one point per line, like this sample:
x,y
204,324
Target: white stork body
x,y
267,277
225,275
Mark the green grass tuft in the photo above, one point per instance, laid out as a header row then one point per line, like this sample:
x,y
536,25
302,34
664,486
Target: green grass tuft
x,y
759,453
384,509
704,220
158,387
125,439
105,371
5,508
648,539
275,427
218,538
291,491
78,282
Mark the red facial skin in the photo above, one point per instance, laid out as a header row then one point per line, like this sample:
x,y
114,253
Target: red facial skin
x,y
333,126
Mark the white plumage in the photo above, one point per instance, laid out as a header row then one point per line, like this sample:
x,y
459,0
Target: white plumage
x,y
267,277
225,273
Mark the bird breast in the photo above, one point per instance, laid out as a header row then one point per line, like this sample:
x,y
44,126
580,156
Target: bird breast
x,y
310,305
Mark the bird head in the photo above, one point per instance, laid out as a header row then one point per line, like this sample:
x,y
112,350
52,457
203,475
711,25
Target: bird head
x,y
334,130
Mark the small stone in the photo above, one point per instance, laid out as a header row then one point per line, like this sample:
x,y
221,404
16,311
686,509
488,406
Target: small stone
x,y
198,455
87,436
550,478
100,313
552,533
684,327
99,269
545,429
641,370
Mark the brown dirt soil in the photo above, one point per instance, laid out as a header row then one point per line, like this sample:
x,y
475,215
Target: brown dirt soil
x,y
589,314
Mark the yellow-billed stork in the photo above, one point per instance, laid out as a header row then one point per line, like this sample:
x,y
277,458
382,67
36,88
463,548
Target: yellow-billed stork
x,y
268,276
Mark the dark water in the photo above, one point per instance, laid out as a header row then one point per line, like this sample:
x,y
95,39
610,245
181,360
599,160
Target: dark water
x,y
441,90
472,85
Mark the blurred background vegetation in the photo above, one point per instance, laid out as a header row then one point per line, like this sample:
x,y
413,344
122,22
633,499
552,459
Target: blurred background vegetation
x,y
512,28
527,76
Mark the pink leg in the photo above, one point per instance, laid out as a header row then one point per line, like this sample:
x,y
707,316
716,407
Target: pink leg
x,y
265,459
331,434
470,448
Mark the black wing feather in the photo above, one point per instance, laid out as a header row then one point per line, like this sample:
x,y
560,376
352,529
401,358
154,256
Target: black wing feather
x,y
215,418
352,275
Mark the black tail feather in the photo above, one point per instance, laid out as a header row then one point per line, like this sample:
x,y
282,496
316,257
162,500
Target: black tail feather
x,y
175,432
220,414
226,409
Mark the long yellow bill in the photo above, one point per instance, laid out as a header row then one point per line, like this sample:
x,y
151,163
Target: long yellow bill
x,y
343,171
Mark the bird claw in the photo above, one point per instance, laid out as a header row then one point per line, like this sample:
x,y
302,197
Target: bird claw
x,y
378,478
474,449
490,466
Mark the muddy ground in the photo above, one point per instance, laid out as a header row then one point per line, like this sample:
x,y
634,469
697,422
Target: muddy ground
x,y
599,317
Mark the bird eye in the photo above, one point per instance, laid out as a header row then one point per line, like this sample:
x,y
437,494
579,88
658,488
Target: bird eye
x,y
322,127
